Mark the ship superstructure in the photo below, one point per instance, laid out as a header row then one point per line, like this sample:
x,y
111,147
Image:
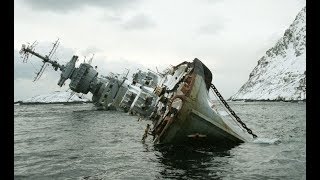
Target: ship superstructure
x,y
107,92
176,101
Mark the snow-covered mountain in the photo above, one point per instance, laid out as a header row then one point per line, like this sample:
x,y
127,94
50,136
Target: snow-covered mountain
x,y
57,97
281,72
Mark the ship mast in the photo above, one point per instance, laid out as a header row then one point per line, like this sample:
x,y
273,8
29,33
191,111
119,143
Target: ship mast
x,y
27,50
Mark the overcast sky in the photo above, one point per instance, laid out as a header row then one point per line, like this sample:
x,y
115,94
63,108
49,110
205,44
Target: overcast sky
x,y
229,36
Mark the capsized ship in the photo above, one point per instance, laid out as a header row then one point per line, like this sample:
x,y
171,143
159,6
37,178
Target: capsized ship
x,y
183,112
107,91
178,103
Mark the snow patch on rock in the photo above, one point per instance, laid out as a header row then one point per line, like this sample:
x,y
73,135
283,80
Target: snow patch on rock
x,y
281,73
57,96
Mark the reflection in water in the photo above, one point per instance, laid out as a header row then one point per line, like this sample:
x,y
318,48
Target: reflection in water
x,y
192,162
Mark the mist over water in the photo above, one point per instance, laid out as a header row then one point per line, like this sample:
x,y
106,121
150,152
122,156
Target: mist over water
x,y
74,142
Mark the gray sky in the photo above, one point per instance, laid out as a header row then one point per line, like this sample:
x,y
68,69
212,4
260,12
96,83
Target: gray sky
x,y
229,36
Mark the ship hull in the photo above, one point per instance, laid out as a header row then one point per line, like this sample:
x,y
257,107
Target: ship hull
x,y
195,127
195,121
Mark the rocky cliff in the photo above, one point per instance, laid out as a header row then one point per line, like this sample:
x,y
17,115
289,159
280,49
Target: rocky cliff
x,y
281,72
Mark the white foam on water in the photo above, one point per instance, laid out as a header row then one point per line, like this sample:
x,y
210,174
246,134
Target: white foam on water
x,y
266,141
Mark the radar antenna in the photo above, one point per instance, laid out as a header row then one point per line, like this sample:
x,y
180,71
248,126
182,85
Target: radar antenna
x,y
25,55
26,50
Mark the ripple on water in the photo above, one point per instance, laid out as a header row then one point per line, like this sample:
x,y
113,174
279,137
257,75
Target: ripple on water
x,y
73,142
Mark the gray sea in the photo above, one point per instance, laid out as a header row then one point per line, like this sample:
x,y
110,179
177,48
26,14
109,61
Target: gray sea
x,y
74,142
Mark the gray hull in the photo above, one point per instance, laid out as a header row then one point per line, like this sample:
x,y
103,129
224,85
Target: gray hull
x,y
194,119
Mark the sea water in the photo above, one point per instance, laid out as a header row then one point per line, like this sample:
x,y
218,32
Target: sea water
x,y
75,142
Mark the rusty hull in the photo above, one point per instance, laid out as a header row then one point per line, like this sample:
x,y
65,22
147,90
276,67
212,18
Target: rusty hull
x,y
195,120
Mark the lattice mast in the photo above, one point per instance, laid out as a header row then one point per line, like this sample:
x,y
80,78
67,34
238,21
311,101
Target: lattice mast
x,y
46,59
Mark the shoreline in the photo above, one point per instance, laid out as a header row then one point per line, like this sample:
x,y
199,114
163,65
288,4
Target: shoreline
x,y
40,103
265,100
